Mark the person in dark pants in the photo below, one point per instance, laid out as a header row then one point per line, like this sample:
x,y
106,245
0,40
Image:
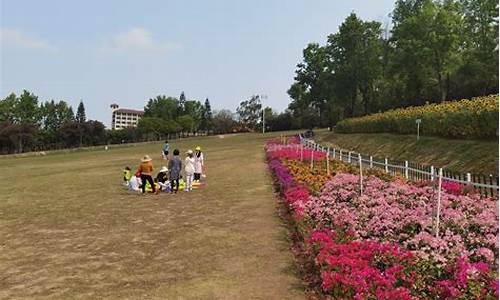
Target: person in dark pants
x,y
146,170
175,165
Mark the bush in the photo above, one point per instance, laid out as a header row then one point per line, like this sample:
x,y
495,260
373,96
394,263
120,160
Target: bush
x,y
476,118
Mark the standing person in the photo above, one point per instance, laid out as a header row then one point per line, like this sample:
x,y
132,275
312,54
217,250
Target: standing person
x,y
189,170
198,165
165,150
146,170
175,165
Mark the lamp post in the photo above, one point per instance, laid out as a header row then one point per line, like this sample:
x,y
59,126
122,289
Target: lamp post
x,y
418,121
262,97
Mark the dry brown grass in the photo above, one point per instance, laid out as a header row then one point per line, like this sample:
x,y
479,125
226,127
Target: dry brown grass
x,y
70,231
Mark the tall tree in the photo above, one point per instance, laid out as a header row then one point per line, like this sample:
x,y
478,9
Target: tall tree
x,y
478,74
354,62
163,107
80,113
206,121
224,122
26,109
250,111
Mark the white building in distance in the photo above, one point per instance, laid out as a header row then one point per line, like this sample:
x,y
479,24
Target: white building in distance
x,y
124,117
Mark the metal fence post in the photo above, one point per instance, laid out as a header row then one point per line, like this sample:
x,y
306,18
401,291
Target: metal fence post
x,y
432,173
328,161
360,174
333,153
468,177
312,160
371,161
349,157
406,169
340,155
439,201
386,165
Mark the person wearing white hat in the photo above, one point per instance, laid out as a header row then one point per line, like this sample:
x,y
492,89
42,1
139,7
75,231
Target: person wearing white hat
x,y
198,165
162,179
189,170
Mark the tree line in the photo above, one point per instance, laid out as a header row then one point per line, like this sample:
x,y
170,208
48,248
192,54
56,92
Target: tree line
x,y
433,51
27,124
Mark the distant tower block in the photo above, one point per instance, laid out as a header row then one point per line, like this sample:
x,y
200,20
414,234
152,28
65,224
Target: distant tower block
x,y
124,117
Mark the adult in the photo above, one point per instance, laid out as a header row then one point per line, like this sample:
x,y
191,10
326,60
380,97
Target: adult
x,y
198,164
165,150
146,170
189,170
175,165
162,179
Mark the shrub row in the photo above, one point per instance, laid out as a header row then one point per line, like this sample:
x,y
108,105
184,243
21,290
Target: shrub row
x,y
472,119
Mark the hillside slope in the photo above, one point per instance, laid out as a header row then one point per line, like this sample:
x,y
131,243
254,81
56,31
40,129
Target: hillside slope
x,y
475,156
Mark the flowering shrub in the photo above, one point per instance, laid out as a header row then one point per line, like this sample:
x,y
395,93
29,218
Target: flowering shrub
x,y
396,212
363,269
451,187
476,118
467,280
382,244
313,179
296,197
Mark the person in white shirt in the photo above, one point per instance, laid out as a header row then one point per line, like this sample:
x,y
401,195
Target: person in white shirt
x,y
198,165
135,182
189,170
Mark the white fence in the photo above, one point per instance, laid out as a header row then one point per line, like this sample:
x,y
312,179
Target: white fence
x,y
488,185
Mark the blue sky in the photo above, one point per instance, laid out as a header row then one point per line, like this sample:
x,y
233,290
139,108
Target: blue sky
x,y
129,51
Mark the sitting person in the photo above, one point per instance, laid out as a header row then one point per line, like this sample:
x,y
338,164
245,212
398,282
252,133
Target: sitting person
x,y
149,188
162,179
127,175
182,184
135,182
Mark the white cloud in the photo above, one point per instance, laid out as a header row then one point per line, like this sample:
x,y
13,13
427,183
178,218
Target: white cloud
x,y
138,41
17,39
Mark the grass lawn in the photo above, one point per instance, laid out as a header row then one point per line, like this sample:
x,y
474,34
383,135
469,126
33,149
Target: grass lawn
x,y
69,230
475,156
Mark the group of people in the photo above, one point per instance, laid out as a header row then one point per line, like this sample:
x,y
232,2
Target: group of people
x,y
169,179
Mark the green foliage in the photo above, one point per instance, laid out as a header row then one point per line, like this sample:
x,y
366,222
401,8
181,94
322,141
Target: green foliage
x,y
250,112
26,125
435,50
80,113
224,122
206,117
476,118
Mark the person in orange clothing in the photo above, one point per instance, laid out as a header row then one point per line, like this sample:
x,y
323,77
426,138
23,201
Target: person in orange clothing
x,y
146,170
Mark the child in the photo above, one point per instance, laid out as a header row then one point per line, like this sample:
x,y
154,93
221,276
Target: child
x,y
146,170
165,150
175,165
135,182
189,170
127,175
198,166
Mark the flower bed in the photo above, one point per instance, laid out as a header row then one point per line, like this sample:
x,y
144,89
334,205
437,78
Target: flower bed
x,y
476,118
382,244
